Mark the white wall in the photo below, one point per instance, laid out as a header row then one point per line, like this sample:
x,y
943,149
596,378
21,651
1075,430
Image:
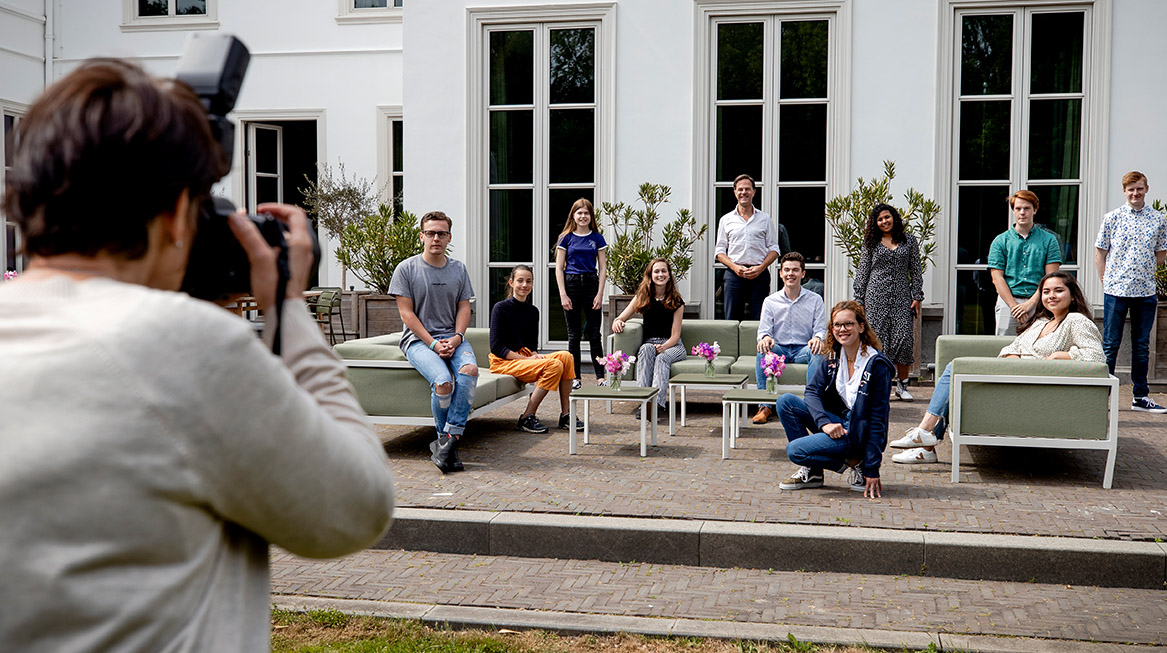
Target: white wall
x,y
1138,123
22,51
893,100
302,59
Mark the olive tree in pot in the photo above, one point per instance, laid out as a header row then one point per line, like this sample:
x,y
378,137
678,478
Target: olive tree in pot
x,y
335,200
372,247
847,216
632,242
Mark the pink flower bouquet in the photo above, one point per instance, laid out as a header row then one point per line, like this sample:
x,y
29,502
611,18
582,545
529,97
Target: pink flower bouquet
x,y
709,353
617,364
772,367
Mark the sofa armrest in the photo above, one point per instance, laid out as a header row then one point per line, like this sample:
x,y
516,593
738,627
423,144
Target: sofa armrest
x,y
1028,367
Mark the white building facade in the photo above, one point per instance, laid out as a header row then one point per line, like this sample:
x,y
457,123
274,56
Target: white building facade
x,y
503,112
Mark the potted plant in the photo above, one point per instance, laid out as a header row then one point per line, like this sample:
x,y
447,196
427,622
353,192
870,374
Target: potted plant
x,y
372,247
847,216
632,244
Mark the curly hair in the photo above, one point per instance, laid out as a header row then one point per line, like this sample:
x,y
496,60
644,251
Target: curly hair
x,y
874,234
867,335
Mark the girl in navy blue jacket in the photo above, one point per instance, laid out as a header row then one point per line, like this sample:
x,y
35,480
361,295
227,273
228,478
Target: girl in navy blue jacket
x,y
842,422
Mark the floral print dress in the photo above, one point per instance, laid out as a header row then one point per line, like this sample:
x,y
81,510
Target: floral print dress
x,y
886,283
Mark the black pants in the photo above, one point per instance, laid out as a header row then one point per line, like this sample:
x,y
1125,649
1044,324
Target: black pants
x,y
739,290
581,290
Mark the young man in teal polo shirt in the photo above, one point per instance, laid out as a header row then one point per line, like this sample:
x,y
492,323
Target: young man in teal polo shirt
x,y
1018,259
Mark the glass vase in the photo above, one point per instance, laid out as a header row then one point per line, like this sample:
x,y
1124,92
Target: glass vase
x,y
709,369
772,384
614,381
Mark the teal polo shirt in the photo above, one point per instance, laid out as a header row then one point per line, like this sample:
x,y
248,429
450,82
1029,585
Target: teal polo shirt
x,y
1023,260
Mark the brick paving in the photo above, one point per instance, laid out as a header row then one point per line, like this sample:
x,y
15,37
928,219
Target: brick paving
x,y
899,603
1007,491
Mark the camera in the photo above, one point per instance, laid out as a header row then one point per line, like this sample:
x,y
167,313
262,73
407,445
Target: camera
x,y
214,66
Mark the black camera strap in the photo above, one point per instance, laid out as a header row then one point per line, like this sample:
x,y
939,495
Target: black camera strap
x,y
281,290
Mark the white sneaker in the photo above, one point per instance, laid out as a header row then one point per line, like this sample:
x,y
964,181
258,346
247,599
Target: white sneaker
x,y
901,391
576,384
916,437
915,456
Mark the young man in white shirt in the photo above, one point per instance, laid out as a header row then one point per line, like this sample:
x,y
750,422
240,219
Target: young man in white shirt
x,y
1131,243
793,325
747,244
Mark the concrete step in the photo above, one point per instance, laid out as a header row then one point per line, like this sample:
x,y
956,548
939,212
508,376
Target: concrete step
x,y
785,547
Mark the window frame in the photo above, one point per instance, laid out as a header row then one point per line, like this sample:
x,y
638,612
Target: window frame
x,y
1095,97
347,14
711,14
18,112
132,22
386,175
483,21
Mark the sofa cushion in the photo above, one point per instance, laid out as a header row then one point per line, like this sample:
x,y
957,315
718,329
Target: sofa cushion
x,y
723,332
1033,409
381,348
747,337
794,374
953,346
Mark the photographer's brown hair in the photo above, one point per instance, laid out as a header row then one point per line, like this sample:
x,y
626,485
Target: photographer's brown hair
x,y
101,154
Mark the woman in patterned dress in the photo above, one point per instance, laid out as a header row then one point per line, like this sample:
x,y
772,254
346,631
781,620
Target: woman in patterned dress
x,y
890,285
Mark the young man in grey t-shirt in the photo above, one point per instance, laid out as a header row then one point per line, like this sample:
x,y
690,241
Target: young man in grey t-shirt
x,y
433,296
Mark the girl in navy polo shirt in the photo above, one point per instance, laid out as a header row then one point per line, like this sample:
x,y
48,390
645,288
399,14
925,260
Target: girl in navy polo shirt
x,y
581,269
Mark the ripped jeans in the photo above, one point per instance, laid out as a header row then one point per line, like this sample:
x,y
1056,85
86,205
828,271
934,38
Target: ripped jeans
x,y
453,410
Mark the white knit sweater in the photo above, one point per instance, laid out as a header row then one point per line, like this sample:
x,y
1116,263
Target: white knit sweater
x,y
1076,335
150,449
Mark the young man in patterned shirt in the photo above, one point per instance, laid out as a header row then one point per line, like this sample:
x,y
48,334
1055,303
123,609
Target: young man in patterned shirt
x,y
1131,244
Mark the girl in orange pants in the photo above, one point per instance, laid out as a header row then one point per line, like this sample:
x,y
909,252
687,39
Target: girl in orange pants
x,y
514,334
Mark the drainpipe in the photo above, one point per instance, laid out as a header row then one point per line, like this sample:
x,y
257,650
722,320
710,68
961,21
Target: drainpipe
x,y
50,36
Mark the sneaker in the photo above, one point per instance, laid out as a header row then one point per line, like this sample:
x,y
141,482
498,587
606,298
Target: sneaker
x,y
565,422
857,482
1147,405
801,480
916,437
531,424
915,456
901,390
763,416
576,384
601,382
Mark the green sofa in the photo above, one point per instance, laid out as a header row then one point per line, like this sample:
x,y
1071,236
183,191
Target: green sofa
x,y
1027,402
391,391
739,346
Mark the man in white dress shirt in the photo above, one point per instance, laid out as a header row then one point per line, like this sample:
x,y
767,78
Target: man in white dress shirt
x,y
747,244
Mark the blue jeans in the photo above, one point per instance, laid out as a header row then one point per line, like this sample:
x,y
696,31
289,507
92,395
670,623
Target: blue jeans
x,y
938,404
1142,310
793,354
807,446
737,291
452,411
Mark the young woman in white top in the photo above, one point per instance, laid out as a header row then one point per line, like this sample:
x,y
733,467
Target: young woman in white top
x,y
1060,329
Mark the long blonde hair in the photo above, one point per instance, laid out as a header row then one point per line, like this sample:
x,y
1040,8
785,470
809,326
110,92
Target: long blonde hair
x,y
581,203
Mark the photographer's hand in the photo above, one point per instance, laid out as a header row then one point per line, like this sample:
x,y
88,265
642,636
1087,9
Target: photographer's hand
x,y
299,245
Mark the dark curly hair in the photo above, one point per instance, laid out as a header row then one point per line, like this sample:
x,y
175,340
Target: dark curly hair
x,y
874,234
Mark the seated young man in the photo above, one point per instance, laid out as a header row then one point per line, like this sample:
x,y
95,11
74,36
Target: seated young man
x,y
433,295
793,324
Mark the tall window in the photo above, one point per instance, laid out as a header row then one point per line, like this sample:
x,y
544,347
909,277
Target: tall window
x,y
172,8
1019,108
542,123
12,236
397,181
369,11
772,103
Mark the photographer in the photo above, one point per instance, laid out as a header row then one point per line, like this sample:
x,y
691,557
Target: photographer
x,y
151,447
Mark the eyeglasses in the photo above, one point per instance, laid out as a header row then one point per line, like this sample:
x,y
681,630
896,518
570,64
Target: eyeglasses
x,y
844,326
436,234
